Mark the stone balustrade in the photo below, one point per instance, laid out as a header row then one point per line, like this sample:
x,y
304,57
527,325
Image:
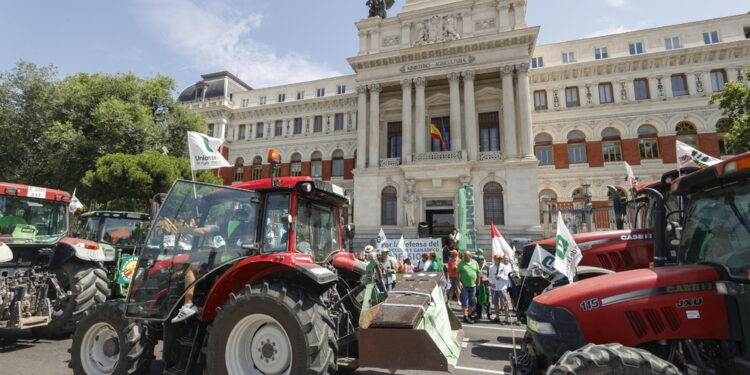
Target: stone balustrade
x,y
390,163
490,156
437,157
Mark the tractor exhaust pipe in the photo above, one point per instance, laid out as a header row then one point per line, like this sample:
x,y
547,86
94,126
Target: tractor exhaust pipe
x,y
617,206
660,226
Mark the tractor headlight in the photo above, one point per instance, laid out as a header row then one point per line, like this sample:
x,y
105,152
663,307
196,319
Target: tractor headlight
x,y
541,328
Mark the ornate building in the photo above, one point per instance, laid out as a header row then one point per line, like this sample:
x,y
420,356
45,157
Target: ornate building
x,y
520,122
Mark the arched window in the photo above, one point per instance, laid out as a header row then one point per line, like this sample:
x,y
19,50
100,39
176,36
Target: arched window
x,y
543,149
316,164
549,195
611,146
578,198
337,165
296,169
239,169
576,147
722,127
257,168
648,142
388,206
493,204
622,191
687,134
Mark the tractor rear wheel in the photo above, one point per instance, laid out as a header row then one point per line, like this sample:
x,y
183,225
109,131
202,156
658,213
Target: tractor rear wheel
x,y
108,343
88,285
612,359
271,328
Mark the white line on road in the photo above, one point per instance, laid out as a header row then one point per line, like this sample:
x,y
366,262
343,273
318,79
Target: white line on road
x,y
495,328
472,369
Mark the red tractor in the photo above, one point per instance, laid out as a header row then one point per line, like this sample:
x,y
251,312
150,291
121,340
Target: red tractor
x,y
607,252
694,316
278,294
47,280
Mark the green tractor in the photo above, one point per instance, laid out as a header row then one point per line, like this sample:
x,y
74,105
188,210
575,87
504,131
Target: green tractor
x,y
118,233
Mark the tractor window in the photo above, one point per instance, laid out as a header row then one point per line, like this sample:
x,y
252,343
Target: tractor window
x,y
122,232
275,231
717,229
26,220
317,229
89,231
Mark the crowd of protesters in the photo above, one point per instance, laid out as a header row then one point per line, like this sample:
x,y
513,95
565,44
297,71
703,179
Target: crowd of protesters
x,y
479,287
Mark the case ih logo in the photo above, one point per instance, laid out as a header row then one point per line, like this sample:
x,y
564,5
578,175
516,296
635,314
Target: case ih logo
x,y
633,237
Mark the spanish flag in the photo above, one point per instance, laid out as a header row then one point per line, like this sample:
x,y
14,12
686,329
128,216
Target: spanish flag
x,y
436,134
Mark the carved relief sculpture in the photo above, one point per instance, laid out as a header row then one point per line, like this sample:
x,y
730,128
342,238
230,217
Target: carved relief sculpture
x,y
449,29
698,83
410,204
436,29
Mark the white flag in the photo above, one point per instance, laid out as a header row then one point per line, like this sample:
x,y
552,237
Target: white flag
x,y
381,238
690,157
542,260
75,204
204,152
567,253
631,181
402,246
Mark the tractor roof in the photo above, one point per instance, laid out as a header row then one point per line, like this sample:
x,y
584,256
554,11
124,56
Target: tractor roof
x,y
666,179
117,214
7,188
287,183
728,170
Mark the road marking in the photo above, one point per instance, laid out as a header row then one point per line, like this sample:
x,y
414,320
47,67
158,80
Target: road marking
x,y
472,369
495,328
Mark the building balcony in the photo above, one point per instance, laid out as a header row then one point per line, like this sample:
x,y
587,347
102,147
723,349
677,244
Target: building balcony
x,y
438,157
490,156
389,163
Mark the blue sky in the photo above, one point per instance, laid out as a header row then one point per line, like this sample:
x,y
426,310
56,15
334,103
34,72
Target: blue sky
x,y
267,42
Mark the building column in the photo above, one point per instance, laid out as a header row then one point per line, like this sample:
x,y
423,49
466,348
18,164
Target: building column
x,y
524,111
406,123
509,114
454,79
420,132
470,113
374,138
222,128
362,127
251,129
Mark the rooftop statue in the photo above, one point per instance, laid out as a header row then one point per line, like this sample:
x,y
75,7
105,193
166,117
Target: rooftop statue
x,y
378,7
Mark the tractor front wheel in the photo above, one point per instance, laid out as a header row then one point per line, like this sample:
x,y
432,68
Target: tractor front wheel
x,y
614,359
107,343
271,328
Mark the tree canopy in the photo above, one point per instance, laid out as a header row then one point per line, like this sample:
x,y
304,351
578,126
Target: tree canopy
x,y
55,130
127,182
735,101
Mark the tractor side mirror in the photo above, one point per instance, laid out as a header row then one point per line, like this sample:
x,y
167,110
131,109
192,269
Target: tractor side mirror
x,y
349,231
674,230
251,247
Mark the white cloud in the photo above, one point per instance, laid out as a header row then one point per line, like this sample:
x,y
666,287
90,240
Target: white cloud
x,y
609,31
214,38
617,3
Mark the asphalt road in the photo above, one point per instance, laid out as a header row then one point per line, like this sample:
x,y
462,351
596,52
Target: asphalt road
x,y
485,350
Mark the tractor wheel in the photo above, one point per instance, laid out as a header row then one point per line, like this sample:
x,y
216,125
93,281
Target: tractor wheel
x,y
271,328
612,359
88,285
106,342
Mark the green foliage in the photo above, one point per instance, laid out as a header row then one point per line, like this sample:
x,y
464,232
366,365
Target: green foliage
x,y
735,101
127,182
56,130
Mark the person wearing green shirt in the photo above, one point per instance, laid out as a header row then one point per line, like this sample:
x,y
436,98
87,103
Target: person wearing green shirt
x,y
468,274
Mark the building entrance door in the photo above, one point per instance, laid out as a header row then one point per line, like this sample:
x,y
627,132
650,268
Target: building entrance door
x,y
440,222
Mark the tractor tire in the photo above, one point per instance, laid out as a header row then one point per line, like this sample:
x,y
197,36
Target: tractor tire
x,y
614,359
284,329
106,342
88,285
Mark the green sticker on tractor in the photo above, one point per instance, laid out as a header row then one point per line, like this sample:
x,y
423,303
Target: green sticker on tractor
x,y
127,268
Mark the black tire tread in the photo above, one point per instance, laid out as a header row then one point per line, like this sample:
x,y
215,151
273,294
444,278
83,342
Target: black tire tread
x,y
614,359
137,344
313,319
89,286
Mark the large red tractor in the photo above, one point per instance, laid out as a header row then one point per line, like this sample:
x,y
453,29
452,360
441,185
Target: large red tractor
x,y
607,252
695,315
47,280
278,294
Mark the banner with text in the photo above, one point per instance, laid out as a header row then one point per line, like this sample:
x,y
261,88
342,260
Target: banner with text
x,y
415,247
466,219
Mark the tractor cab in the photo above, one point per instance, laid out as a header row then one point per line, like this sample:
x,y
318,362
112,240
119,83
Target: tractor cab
x,y
31,215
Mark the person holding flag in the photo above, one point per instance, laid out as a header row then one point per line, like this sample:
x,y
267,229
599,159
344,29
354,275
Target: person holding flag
x,y
499,245
567,252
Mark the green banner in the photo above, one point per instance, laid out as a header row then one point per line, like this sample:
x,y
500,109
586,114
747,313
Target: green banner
x,y
466,221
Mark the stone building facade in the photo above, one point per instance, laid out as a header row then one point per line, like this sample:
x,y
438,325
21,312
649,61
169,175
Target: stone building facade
x,y
518,121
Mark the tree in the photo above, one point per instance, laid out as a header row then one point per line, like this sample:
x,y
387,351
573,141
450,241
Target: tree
x,y
735,101
127,182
